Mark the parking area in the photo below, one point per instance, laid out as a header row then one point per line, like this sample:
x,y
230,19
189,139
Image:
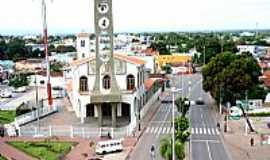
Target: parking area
x,y
19,98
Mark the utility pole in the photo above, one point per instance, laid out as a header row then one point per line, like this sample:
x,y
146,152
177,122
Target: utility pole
x,y
37,104
220,100
174,90
204,54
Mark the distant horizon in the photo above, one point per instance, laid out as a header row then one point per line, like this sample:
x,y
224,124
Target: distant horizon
x,y
72,32
71,17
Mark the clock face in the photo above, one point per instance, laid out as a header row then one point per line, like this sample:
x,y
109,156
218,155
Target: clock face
x,y
104,23
103,7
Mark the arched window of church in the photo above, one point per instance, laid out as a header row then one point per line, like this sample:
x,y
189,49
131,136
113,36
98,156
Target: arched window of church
x,y
83,84
130,82
107,82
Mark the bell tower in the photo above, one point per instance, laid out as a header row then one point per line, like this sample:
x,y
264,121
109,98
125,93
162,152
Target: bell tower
x,y
105,88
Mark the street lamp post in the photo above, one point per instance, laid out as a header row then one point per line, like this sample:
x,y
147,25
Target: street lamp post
x,y
174,90
37,104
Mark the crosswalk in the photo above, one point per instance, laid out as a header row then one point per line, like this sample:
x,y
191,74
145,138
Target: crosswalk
x,y
194,131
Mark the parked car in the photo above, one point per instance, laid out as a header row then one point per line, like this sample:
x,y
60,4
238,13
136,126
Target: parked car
x,y
20,89
6,94
109,146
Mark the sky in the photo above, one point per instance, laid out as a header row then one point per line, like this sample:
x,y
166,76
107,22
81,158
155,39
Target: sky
x,y
73,16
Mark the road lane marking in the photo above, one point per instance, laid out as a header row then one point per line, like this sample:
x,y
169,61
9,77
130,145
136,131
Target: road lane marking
x,y
196,130
204,131
159,131
213,131
152,130
209,152
192,130
217,131
203,141
156,129
163,131
209,131
168,130
147,130
200,130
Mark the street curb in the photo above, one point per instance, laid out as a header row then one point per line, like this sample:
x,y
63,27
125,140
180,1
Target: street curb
x,y
141,133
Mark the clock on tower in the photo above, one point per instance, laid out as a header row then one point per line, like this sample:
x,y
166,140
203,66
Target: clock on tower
x,y
104,48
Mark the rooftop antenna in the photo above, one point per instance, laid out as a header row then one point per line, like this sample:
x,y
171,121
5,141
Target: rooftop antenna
x,y
45,42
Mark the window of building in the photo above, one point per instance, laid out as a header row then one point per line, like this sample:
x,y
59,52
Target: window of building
x,y
107,82
83,84
82,43
130,82
83,55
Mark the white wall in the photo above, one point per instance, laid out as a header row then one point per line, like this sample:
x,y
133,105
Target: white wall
x,y
150,103
55,81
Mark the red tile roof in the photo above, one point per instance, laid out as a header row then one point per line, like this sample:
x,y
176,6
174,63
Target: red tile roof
x,y
129,59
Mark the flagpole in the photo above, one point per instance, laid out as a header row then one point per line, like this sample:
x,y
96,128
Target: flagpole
x,y
45,41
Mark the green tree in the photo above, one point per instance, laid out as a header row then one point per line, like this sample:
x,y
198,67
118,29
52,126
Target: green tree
x,y
181,129
19,81
234,74
166,149
182,105
56,67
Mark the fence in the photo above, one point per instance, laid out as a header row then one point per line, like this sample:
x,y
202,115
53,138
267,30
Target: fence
x,y
31,116
72,131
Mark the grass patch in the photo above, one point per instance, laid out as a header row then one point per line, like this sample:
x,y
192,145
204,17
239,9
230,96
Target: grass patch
x,y
2,157
262,114
7,116
44,150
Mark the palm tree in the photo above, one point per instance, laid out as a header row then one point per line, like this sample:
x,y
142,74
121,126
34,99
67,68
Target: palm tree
x,y
166,149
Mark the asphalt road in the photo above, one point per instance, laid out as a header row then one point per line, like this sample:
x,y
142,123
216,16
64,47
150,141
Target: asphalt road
x,y
205,139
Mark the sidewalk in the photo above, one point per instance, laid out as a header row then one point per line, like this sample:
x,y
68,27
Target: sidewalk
x,y
239,146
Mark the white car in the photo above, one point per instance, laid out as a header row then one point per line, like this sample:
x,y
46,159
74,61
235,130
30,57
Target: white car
x,y
20,89
6,94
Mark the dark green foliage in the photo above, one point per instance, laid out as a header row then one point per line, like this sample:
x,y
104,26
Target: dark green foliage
x,y
19,81
44,150
56,67
182,106
232,74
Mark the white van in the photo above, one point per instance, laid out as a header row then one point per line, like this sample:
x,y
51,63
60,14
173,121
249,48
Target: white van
x,y
109,146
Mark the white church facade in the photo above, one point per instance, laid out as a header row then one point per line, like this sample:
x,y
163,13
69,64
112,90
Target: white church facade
x,y
129,73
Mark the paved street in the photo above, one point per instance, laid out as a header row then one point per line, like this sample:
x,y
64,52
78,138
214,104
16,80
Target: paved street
x,y
205,139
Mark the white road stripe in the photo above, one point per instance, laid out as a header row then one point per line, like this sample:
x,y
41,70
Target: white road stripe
x,y
192,130
204,131
147,130
164,130
168,130
152,129
196,130
209,131
200,130
156,130
159,131
213,131
217,131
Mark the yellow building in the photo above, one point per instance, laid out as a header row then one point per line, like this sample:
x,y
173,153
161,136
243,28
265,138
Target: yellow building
x,y
172,59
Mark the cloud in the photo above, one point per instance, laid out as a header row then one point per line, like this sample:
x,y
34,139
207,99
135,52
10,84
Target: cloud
x,y
137,15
